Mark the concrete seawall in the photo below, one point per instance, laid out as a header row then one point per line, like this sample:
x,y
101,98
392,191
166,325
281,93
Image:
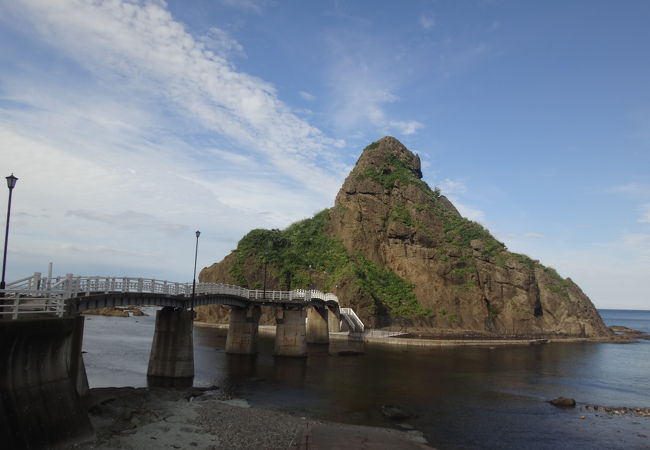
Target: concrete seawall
x,y
269,330
40,370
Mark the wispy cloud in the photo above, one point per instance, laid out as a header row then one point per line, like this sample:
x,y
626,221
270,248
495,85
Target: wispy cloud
x,y
129,220
427,21
640,242
255,6
513,236
362,85
307,96
469,212
148,50
452,187
632,188
143,133
645,214
221,43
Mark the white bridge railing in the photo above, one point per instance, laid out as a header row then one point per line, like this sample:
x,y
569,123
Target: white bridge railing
x,y
37,294
355,324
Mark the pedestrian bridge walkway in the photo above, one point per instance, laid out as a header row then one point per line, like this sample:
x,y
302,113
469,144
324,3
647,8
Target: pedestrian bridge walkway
x,y
74,294
41,357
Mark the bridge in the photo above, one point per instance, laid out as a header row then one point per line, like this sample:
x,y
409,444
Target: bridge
x,y
41,336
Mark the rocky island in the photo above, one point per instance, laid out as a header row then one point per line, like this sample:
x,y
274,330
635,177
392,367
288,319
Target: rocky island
x,y
401,255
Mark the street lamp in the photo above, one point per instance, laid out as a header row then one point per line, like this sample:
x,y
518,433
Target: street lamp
x,y
196,253
266,262
11,183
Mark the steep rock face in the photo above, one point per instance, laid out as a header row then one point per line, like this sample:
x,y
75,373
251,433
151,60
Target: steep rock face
x,y
401,255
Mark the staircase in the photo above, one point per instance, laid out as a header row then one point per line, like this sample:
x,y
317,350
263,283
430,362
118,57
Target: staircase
x,y
353,321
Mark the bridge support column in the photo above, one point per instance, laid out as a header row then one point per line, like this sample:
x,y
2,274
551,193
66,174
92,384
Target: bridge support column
x,y
77,368
39,404
172,350
242,331
317,329
333,321
290,333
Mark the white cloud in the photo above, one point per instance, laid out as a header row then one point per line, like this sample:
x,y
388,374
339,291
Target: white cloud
x,y
112,175
221,43
235,158
255,6
645,214
142,45
452,187
362,80
514,236
636,241
633,189
427,21
406,128
130,220
307,96
469,212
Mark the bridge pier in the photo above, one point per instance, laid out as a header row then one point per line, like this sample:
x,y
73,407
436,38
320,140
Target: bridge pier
x,y
317,325
39,371
333,321
290,332
172,349
242,330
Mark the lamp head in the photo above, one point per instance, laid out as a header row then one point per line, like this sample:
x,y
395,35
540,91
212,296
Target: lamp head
x,y
198,233
11,181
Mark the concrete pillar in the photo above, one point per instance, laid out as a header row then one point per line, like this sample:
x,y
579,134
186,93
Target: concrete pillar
x,y
39,405
333,321
317,331
290,333
76,365
242,331
172,350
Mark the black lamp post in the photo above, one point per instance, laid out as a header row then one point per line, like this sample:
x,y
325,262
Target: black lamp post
x,y
11,183
196,253
266,262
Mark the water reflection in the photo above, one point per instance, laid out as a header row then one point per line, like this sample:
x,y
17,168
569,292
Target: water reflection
x,y
241,366
168,382
482,397
292,371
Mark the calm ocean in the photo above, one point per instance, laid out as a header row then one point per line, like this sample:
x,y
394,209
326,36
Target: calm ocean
x,y
467,398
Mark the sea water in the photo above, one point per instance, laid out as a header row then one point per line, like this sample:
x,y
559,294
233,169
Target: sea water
x,y
458,397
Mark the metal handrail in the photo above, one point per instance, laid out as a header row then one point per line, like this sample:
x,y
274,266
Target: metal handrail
x,y
22,296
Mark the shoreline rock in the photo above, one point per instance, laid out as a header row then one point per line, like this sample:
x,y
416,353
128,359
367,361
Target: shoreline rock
x,y
629,334
563,402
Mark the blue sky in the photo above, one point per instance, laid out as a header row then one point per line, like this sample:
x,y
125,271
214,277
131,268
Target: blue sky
x,y
133,123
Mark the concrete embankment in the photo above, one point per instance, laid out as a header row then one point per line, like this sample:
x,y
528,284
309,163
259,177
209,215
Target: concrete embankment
x,y
269,331
41,372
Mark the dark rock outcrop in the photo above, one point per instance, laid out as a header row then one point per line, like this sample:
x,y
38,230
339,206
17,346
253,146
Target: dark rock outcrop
x,y
403,256
563,402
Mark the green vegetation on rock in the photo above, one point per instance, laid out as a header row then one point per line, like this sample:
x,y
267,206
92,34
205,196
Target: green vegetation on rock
x,y
401,214
558,284
393,172
303,252
387,288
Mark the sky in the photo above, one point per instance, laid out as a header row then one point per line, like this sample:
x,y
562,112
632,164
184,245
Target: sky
x,y
132,123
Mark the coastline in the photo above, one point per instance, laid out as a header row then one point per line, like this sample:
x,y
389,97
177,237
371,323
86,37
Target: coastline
x,y
207,418
269,331
181,422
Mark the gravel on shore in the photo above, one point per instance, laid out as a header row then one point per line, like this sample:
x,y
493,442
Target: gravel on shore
x,y
200,418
